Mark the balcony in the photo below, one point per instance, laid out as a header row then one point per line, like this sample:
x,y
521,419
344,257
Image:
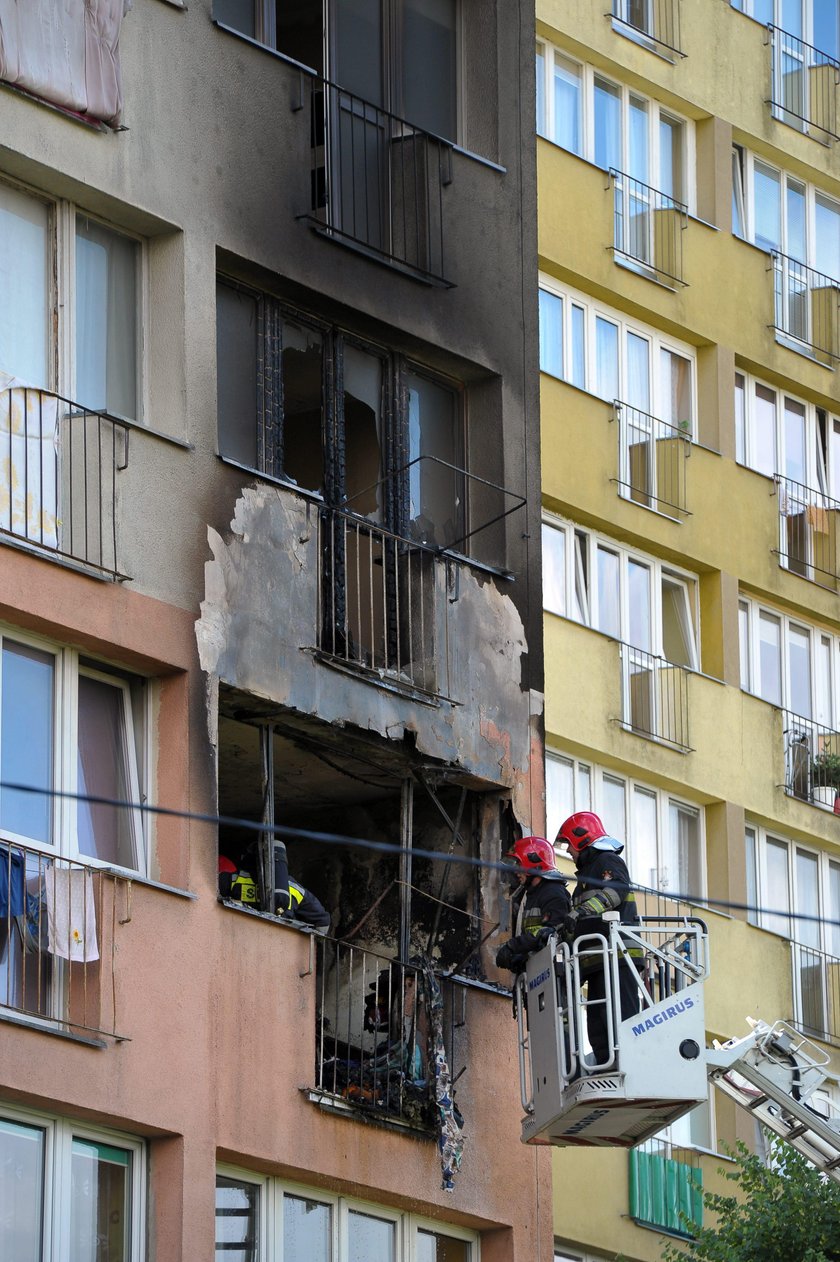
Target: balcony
x,y
648,230
653,23
809,533
812,761
59,463
58,924
807,309
666,1183
816,993
652,459
385,1037
654,697
377,181
804,84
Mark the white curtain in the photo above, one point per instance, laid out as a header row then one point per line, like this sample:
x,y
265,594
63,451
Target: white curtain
x,y
28,462
66,51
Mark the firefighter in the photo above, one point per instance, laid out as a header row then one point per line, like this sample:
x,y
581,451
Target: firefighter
x,y
239,885
603,884
542,897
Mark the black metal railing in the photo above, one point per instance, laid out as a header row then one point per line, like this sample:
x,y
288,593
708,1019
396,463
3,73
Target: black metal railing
x,y
812,760
809,531
648,228
652,459
654,696
658,20
816,992
377,181
58,486
807,307
377,1026
804,83
57,941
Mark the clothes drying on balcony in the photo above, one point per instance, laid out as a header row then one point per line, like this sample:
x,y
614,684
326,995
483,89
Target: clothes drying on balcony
x,y
12,890
71,914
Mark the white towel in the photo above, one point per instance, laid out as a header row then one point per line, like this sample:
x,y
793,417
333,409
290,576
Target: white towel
x,y
71,914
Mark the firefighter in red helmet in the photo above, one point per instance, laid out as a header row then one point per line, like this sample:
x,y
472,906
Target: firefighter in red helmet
x,y
603,884
543,901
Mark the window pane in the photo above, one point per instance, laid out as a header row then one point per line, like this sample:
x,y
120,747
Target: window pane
x,y
769,660
21,1191
237,1220
609,617
613,815
791,15
795,241
307,1230
607,125
767,208
670,158
744,645
26,739
826,31
433,1247
799,661
740,421
606,359
581,610
578,365
100,1206
303,441
584,788
807,899
827,224
559,793
105,832
238,14
643,839
751,843
739,226
551,333
833,929
678,644
764,431
300,32
358,49
106,319
567,98
638,599
25,286
554,569
675,408
429,65
681,870
236,374
370,1237
778,895
638,372
436,480
639,160
541,123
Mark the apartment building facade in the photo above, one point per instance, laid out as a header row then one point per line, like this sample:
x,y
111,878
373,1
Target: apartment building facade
x,y
689,228
269,545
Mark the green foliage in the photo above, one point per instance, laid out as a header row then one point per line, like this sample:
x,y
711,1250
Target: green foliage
x,y
784,1213
825,771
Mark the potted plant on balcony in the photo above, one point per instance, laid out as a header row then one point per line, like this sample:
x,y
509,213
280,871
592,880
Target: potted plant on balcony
x,y
825,780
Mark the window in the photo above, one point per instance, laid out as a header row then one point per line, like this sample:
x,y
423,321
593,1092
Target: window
x,y
85,725
776,433
630,597
265,1220
612,126
417,34
72,1191
788,663
663,835
815,21
779,212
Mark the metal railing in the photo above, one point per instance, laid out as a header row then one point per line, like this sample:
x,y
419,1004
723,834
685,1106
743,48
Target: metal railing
x,y
666,1186
648,228
652,459
812,760
804,83
376,1033
816,992
807,307
654,696
377,180
658,20
58,476
809,531
58,925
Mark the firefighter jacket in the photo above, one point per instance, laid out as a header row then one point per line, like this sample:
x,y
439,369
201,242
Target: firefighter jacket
x,y
306,907
603,884
541,906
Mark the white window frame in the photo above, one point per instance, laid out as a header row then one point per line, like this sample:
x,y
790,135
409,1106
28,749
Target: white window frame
x,y
67,669
655,110
656,340
61,356
584,771
749,613
819,475
749,160
59,1133
825,861
270,1218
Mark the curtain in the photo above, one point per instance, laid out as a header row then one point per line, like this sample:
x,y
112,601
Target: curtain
x,y
28,462
67,53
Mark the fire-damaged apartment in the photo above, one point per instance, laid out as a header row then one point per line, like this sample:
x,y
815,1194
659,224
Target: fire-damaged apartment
x,y
270,628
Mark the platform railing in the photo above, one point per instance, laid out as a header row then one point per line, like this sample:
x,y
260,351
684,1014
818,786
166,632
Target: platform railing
x,y
812,760
652,456
809,530
648,228
804,85
654,696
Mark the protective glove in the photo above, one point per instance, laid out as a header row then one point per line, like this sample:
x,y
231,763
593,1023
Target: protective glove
x,y
545,933
506,957
570,922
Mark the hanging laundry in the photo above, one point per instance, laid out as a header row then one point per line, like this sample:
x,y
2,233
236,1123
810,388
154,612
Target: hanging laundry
x,y
450,1123
71,914
11,882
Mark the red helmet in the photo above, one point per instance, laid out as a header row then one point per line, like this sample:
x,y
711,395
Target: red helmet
x,y
533,854
580,830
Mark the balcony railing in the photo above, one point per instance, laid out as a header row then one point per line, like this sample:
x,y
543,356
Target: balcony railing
x,y
816,992
658,21
666,1186
652,459
377,181
648,228
380,1029
58,477
807,308
654,697
804,85
58,920
812,760
809,524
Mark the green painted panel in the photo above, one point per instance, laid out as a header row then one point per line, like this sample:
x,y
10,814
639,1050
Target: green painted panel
x,y
661,1189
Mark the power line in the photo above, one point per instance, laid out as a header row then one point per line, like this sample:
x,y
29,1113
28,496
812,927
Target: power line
x,y
288,832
